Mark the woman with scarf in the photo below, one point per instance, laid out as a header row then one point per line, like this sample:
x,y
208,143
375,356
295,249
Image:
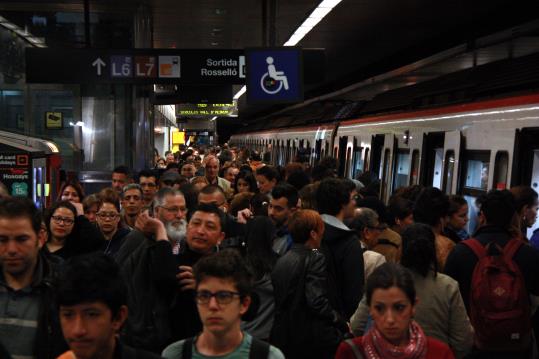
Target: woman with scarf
x,y
391,298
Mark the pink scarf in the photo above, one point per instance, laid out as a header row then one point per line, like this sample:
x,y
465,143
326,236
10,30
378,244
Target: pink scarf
x,y
377,347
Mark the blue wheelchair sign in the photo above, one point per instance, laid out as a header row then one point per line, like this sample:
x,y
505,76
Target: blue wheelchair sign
x,y
274,75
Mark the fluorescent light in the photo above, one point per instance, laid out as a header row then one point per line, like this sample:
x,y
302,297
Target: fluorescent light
x,y
312,20
302,30
9,25
320,12
240,93
329,3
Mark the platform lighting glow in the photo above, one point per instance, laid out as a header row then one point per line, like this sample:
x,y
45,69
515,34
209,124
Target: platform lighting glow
x,y
447,117
306,26
52,146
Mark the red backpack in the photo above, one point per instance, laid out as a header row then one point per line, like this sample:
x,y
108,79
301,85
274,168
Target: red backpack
x,y
499,301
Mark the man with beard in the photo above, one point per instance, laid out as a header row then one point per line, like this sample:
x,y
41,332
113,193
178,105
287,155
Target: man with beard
x,y
28,322
148,262
283,202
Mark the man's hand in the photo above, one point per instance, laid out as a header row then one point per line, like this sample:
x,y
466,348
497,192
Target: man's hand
x,y
186,278
150,225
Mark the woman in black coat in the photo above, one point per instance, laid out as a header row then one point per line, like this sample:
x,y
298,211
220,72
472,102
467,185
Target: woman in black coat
x,y
69,231
305,324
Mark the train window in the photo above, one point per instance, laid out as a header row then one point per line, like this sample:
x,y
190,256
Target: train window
x,y
438,161
366,160
474,182
347,169
501,165
414,171
402,169
476,171
385,172
449,171
357,162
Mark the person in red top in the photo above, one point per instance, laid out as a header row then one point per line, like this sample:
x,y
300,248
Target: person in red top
x,y
391,298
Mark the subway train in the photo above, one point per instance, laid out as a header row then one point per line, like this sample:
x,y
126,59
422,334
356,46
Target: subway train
x,y
464,149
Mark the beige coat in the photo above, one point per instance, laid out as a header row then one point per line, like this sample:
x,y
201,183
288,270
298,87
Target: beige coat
x,y
440,312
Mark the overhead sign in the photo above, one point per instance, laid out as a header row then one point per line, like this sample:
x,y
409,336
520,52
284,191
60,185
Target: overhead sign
x,y
275,75
206,110
138,66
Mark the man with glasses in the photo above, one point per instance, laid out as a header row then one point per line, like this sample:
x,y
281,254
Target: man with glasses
x,y
148,182
148,261
223,287
108,221
131,200
368,228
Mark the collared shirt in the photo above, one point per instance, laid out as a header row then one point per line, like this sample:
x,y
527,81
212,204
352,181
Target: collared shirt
x,y
334,221
19,311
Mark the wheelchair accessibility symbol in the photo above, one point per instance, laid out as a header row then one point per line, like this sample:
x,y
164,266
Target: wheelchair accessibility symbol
x,y
273,81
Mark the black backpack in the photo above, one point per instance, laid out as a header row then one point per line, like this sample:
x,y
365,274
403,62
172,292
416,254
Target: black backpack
x,y
259,349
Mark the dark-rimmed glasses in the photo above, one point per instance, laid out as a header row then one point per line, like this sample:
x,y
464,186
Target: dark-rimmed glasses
x,y
222,296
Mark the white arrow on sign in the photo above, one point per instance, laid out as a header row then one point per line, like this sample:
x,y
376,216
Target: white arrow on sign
x,y
99,63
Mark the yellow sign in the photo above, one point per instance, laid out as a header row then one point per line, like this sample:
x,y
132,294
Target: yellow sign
x,y
54,120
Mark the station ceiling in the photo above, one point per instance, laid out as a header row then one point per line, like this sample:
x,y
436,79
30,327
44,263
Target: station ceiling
x,y
361,38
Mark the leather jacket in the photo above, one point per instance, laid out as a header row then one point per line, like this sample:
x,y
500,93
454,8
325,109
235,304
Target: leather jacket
x,y
304,318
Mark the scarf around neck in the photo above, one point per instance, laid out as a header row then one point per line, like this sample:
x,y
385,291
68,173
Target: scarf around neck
x,y
377,347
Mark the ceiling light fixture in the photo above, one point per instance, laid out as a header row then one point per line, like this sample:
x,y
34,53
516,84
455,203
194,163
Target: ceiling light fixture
x,y
321,11
23,33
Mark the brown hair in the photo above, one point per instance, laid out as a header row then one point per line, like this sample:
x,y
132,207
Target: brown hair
x,y
302,222
76,186
240,201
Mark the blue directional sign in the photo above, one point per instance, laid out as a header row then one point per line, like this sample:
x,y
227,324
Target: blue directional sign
x,y
121,66
274,75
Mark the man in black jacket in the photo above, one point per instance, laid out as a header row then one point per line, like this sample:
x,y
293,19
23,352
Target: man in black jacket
x,y
336,200
147,261
28,324
497,211
92,298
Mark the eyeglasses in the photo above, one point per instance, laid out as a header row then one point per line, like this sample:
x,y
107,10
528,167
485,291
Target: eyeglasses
x,y
65,220
222,296
107,215
173,209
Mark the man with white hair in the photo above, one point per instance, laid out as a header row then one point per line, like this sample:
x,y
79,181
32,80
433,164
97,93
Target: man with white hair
x,y
147,260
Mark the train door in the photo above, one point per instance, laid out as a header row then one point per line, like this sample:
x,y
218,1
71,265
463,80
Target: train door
x,y
474,182
525,169
343,142
387,166
357,159
452,147
377,145
431,168
40,188
317,151
401,171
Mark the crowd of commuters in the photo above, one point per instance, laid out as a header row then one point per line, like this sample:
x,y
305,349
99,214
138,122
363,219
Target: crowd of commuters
x,y
218,254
